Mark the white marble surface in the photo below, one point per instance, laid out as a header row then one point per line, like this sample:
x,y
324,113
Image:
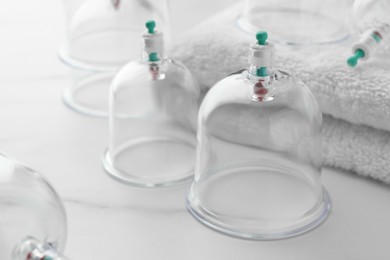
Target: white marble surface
x,y
108,220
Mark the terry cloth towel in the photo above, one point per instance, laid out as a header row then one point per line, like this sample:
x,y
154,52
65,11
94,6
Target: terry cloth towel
x,y
355,102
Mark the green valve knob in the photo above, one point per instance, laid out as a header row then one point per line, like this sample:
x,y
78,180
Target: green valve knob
x,y
261,72
150,25
261,37
353,60
261,40
153,57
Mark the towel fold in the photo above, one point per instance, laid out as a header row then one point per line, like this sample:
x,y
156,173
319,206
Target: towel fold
x,y
358,148
356,102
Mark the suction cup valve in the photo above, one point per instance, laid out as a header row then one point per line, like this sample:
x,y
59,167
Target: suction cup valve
x,y
261,54
153,41
261,40
369,43
371,19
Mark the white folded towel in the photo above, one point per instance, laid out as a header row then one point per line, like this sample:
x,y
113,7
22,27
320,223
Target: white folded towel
x,y
359,148
359,96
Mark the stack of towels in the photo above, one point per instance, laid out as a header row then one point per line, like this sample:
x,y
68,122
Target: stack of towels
x,y
355,102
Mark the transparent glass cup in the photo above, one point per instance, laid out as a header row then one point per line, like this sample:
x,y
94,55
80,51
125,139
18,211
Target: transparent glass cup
x,y
297,22
258,167
88,92
102,36
152,124
32,219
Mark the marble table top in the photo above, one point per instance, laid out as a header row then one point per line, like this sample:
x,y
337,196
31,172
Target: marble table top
x,y
109,220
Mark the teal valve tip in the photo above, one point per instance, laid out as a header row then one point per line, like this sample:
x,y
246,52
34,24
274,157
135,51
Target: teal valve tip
x,y
261,37
261,72
151,24
353,60
153,57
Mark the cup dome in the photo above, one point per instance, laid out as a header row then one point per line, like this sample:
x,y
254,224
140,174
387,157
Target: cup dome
x,y
258,168
30,209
